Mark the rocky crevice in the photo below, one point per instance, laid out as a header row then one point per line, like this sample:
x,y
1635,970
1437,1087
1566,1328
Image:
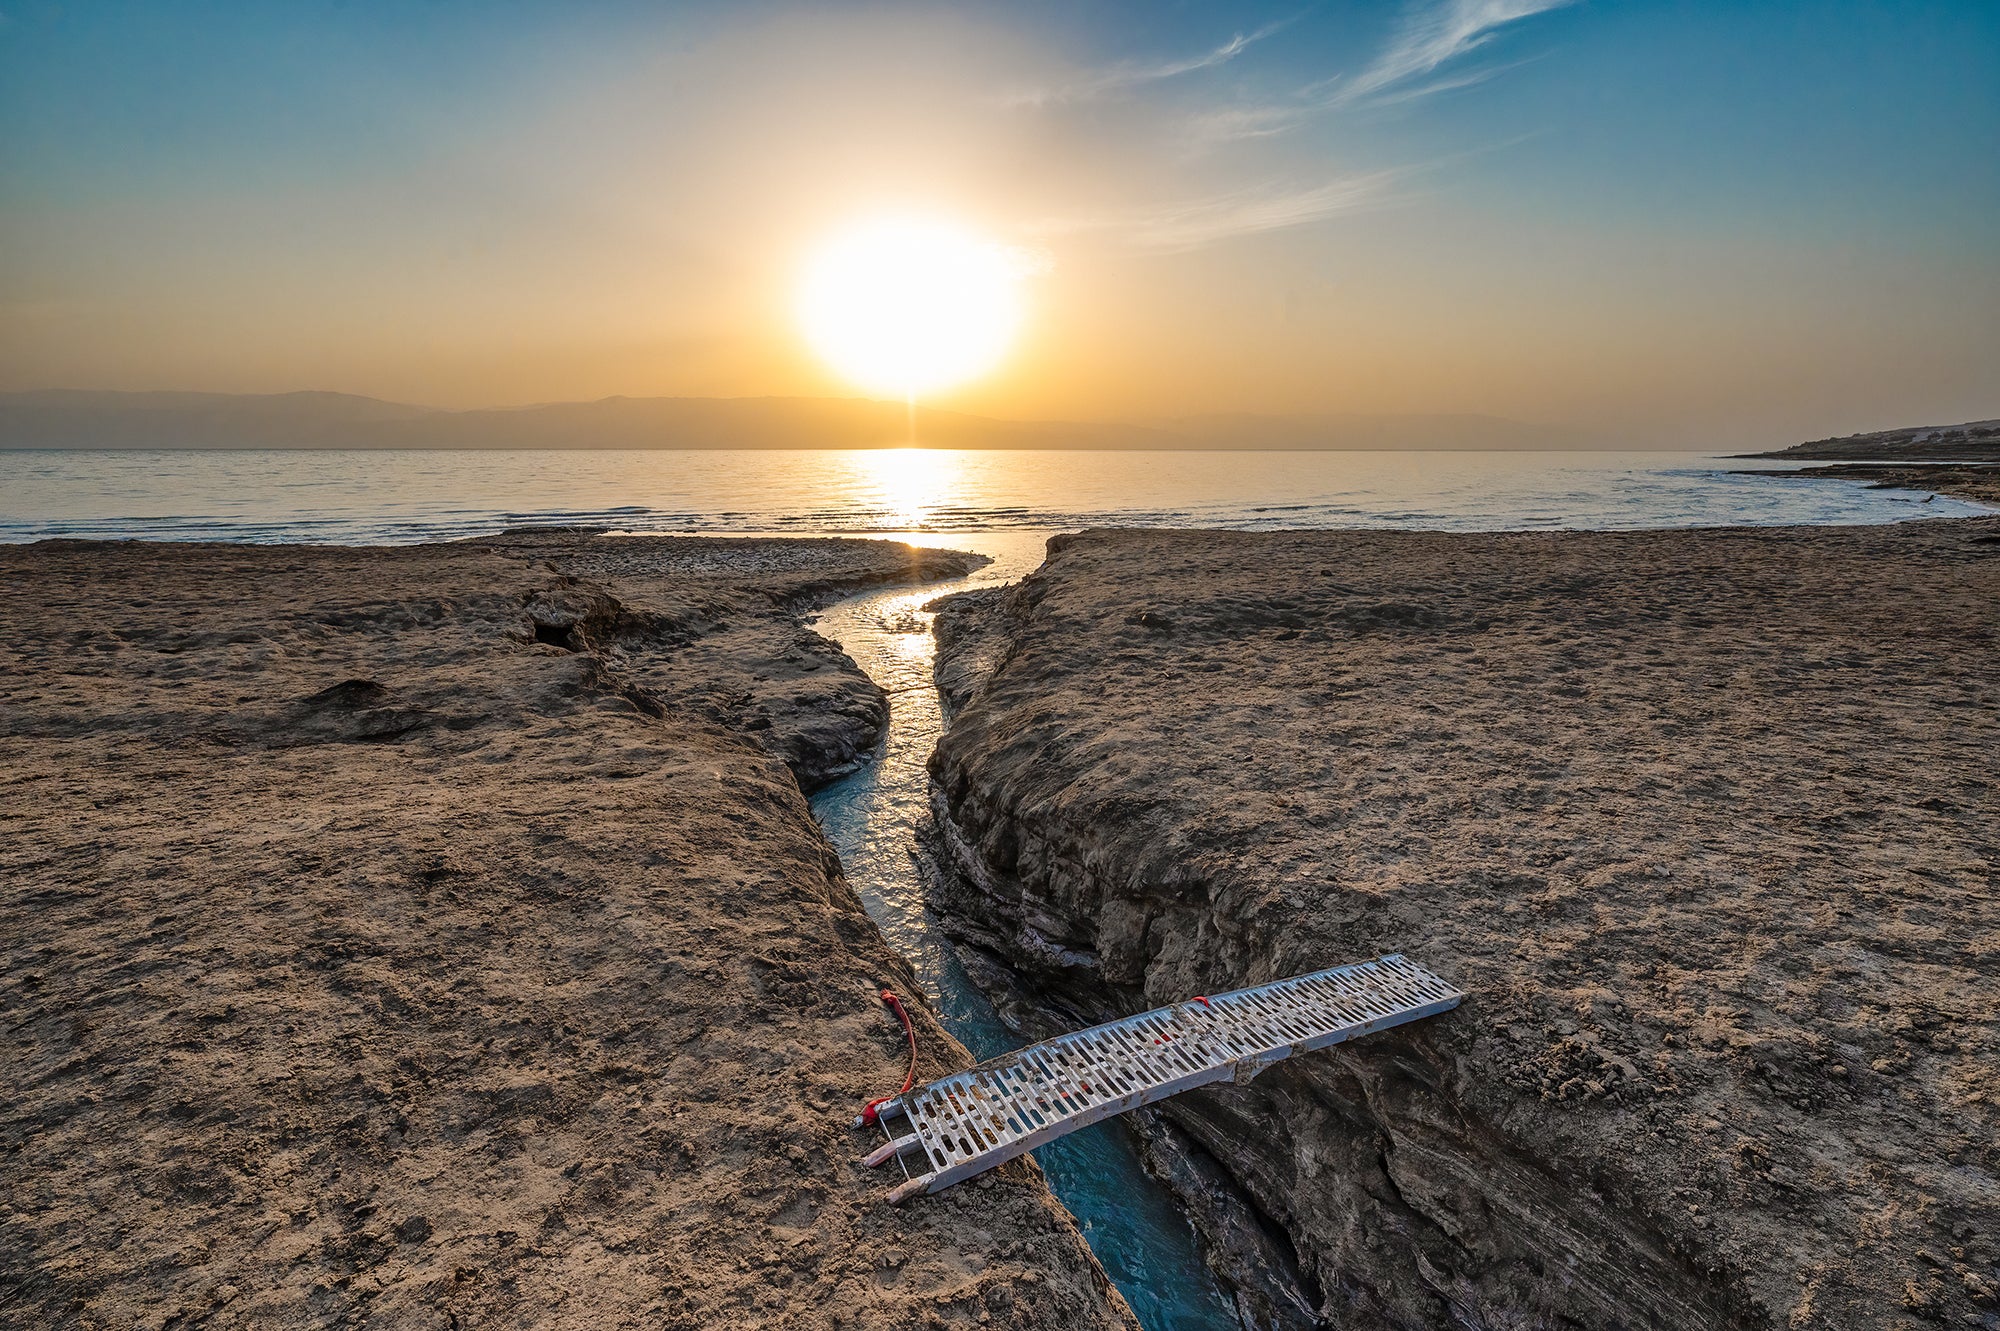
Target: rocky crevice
x,y
1366,1162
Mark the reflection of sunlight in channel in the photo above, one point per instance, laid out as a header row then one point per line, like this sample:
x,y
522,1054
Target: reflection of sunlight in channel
x,y
907,629
907,484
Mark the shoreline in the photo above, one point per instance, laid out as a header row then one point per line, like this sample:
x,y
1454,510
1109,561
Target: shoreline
x,y
1976,481
1958,460
896,496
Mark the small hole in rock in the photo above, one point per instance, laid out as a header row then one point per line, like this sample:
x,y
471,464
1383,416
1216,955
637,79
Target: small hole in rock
x,y
557,635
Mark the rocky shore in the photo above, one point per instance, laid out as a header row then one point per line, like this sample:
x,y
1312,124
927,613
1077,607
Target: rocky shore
x,y
1973,441
439,937
1958,460
1704,822
1979,482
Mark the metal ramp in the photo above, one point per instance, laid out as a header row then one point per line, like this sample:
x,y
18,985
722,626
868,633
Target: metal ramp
x,y
950,1129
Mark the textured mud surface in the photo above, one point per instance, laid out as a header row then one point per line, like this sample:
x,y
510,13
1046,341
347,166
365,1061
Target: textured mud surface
x,y
437,938
1705,823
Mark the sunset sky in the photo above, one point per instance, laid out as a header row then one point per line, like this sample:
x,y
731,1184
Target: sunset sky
x,y
1673,223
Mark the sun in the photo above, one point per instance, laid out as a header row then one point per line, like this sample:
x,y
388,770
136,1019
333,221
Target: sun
x,y
909,306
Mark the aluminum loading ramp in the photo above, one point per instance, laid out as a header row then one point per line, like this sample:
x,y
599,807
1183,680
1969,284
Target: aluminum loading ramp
x,y
950,1129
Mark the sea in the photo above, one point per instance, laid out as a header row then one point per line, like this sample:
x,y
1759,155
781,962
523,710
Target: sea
x,y
1002,504
395,498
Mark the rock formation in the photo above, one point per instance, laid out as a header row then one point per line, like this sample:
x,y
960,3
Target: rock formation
x,y
1704,822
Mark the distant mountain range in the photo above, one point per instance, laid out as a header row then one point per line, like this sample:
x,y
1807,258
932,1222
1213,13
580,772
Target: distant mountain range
x,y
85,419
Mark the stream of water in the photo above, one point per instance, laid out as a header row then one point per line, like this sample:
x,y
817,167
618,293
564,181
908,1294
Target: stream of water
x,y
1132,1223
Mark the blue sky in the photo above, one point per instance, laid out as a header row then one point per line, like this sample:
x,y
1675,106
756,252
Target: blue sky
x,y
1671,222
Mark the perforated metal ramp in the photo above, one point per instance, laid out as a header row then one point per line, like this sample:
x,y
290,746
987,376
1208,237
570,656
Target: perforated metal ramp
x,y
950,1129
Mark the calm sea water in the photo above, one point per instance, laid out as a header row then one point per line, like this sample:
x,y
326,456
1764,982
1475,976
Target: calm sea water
x,y
398,497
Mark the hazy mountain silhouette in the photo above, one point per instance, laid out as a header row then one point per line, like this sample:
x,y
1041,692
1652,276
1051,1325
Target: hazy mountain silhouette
x,y
85,419
1369,431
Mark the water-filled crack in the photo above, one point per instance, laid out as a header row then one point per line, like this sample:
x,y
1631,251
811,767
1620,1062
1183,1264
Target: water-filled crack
x,y
1138,1231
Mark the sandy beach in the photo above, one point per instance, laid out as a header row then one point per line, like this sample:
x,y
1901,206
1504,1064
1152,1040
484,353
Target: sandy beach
x,y
439,937
1704,823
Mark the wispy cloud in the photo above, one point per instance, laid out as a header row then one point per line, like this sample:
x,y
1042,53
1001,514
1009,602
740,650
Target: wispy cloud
x,y
1192,223
1230,124
1110,80
1433,35
1429,38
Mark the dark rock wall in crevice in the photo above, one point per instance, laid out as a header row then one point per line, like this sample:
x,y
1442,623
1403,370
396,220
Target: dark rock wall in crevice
x,y
1367,1159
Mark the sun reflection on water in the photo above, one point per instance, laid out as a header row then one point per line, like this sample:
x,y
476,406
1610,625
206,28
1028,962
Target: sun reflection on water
x,y
907,486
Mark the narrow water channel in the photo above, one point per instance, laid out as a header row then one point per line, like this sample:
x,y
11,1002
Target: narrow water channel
x,y
1133,1225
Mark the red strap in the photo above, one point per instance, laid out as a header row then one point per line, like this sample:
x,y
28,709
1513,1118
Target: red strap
x,y
869,1111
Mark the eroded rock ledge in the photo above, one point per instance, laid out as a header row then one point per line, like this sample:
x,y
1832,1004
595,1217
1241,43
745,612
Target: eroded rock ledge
x,y
436,938
1703,822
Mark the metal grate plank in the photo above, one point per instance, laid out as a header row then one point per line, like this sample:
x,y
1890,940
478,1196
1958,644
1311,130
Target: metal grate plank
x,y
968,1122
